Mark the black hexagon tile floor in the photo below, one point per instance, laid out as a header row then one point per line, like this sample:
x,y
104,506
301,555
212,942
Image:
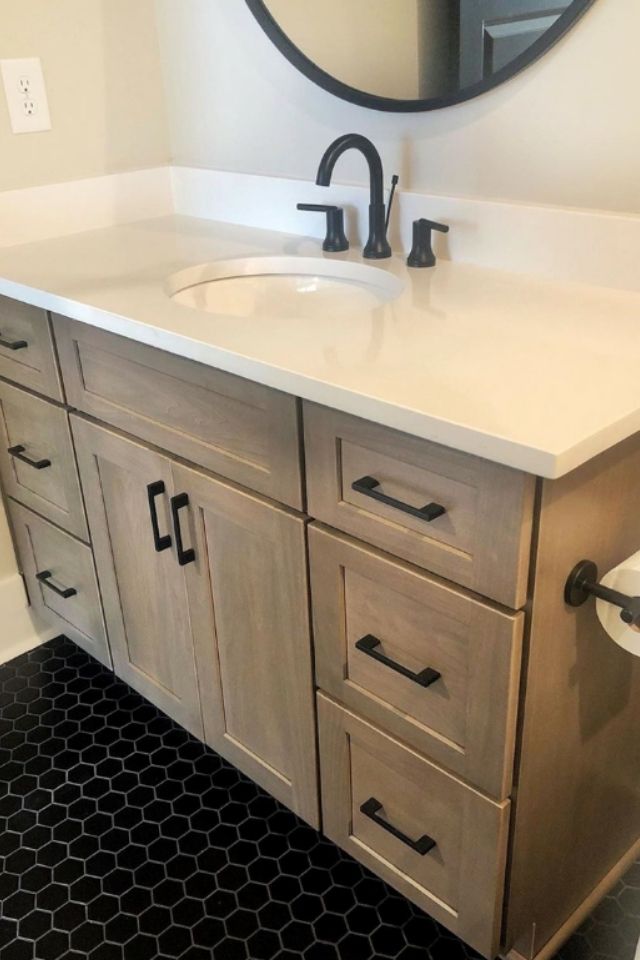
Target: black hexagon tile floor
x,y
124,838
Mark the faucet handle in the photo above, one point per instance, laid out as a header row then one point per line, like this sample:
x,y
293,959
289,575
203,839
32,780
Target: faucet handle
x,y
421,253
335,240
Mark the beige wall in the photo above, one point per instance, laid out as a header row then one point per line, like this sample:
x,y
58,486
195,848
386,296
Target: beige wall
x,y
103,75
564,132
330,34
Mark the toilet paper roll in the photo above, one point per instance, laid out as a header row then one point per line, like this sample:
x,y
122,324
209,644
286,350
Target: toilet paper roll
x,y
625,578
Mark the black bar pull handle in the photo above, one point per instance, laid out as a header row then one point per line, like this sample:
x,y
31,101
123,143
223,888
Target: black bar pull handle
x,y
369,645
18,453
423,845
13,344
368,487
178,503
45,577
160,542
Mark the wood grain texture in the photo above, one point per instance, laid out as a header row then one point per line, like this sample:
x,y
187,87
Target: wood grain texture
x,y
144,592
234,427
577,806
43,429
248,604
460,882
466,720
577,918
482,542
40,546
35,366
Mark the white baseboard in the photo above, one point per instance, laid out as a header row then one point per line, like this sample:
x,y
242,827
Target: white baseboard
x,y
21,628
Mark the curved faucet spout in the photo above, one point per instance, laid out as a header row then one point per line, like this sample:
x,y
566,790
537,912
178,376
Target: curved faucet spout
x,y
353,141
377,246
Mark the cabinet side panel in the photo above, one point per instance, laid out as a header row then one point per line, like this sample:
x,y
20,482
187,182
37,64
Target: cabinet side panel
x,y
578,788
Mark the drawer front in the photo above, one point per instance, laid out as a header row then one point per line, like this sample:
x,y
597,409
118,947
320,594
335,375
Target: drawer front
x,y
435,840
483,538
43,549
27,353
236,428
37,459
433,666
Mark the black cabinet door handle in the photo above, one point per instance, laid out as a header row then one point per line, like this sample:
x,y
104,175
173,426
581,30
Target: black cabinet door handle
x,y
369,645
371,807
18,453
178,503
368,487
13,344
160,542
46,578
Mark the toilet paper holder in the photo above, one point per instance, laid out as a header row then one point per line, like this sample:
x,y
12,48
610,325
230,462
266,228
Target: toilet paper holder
x,y
582,583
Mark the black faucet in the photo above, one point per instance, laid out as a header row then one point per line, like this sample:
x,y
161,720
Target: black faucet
x,y
377,246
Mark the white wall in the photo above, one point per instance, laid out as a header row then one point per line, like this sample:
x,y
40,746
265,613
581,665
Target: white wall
x,y
565,131
102,69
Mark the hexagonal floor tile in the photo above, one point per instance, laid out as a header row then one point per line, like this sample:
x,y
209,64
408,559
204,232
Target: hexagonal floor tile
x,y
124,838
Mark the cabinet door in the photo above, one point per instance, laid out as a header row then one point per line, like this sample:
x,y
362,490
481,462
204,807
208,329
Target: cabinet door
x,y
248,600
143,589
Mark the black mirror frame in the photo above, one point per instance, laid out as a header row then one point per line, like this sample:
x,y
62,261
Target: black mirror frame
x,y
373,102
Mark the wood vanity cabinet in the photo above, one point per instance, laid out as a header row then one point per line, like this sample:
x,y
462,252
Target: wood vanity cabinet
x,y
205,595
476,739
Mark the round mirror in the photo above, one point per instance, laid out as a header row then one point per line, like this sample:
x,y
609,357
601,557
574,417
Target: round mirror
x,y
413,54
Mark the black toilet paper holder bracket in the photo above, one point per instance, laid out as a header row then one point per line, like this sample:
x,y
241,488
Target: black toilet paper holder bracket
x,y
582,583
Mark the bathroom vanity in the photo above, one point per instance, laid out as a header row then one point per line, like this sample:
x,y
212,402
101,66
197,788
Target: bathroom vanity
x,y
366,620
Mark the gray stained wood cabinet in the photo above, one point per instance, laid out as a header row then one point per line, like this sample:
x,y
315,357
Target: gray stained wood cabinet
x,y
453,725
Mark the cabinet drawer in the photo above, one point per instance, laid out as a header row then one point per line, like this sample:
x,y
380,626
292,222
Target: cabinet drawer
x,y
40,471
386,805
234,427
68,598
481,541
384,631
27,353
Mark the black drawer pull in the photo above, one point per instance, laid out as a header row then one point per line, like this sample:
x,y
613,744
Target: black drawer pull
x,y
371,807
369,645
64,592
19,454
368,487
13,344
160,542
178,503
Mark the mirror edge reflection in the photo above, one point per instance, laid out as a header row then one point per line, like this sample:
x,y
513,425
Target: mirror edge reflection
x,y
372,101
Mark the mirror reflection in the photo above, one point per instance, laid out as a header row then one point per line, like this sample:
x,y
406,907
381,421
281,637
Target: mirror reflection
x,y
416,49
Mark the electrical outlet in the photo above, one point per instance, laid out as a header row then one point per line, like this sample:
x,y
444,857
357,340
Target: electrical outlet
x,y
26,95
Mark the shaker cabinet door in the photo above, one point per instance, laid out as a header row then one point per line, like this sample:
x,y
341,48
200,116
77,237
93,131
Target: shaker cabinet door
x,y
128,490
247,583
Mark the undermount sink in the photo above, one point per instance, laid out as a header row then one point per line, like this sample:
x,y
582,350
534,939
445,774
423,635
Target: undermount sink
x,y
282,286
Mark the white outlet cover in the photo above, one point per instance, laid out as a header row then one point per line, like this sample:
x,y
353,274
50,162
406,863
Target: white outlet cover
x,y
26,95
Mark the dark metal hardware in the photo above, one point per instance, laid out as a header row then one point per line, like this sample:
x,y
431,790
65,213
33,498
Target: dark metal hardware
x,y
422,254
369,645
64,592
377,246
335,240
368,487
178,503
13,344
19,454
160,542
371,807
395,179
582,583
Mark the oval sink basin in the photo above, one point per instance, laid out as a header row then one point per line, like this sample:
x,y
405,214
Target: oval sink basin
x,y
282,286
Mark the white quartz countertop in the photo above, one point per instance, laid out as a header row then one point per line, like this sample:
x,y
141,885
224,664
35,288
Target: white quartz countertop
x,y
534,374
